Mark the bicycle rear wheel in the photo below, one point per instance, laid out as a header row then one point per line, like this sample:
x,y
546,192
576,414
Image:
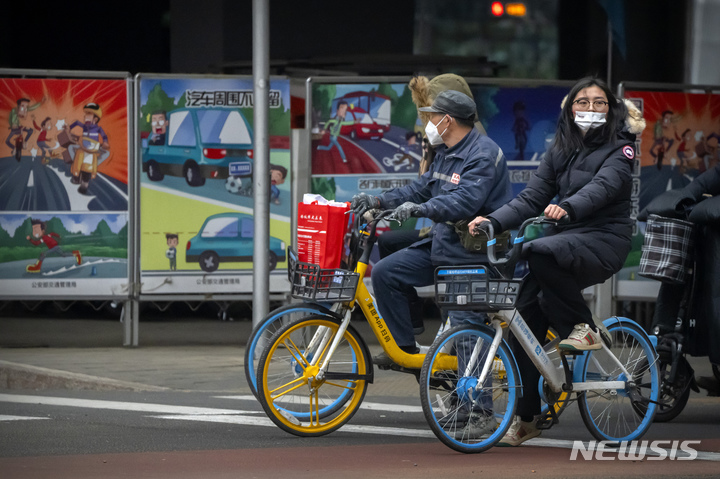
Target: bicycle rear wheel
x,y
464,415
621,414
293,394
674,396
261,334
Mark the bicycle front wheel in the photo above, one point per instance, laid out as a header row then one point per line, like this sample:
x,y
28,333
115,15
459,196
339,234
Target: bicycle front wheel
x,y
621,414
463,414
295,394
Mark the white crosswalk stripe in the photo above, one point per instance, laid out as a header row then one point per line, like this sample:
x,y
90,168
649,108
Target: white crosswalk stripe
x,y
254,418
19,418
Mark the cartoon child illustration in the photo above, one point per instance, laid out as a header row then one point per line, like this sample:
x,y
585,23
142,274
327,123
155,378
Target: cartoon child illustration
x,y
663,138
684,148
520,128
333,126
277,177
171,252
42,139
16,115
92,152
41,236
706,150
159,123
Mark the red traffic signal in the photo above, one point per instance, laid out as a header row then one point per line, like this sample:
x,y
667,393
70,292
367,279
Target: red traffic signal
x,y
497,9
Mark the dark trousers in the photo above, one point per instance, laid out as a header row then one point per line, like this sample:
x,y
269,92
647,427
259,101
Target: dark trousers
x,y
667,307
550,296
392,241
395,240
394,279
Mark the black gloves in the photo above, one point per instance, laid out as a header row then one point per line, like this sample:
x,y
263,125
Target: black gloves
x,y
363,202
403,212
671,204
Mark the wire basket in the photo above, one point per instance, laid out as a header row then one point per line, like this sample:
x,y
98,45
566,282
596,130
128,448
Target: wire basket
x,y
469,287
311,282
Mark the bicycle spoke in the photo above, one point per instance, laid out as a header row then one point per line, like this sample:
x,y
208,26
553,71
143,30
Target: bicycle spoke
x,y
300,383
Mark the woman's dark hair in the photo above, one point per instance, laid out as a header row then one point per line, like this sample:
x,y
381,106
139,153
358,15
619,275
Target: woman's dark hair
x,y
568,136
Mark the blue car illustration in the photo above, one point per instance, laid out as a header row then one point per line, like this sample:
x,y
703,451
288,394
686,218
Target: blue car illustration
x,y
201,143
228,237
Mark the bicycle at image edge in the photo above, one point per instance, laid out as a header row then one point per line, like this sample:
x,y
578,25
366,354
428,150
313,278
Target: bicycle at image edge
x,y
329,305
471,405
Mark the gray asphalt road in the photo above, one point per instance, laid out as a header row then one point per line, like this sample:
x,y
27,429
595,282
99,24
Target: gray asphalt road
x,y
72,434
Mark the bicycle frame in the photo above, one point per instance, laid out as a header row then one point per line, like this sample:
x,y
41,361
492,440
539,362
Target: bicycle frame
x,y
366,302
555,377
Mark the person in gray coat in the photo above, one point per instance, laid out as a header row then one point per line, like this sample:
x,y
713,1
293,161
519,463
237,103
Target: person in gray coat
x,y
589,169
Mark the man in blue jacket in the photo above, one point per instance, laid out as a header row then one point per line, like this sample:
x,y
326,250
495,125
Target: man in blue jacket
x,y
469,176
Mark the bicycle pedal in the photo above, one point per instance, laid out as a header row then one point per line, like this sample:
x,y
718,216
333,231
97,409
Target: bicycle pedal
x,y
546,422
400,369
571,352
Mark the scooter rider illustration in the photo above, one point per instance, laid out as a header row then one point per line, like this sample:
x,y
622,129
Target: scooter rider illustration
x,y
89,151
17,115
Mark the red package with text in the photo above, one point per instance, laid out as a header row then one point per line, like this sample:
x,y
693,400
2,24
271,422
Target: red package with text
x,y
320,232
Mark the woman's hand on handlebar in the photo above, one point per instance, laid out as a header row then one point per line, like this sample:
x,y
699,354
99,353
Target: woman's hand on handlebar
x,y
474,224
554,212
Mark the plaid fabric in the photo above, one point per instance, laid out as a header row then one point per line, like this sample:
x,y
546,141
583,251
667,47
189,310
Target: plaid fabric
x,y
667,249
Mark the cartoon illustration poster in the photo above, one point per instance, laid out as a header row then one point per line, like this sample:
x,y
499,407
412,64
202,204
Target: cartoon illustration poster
x,y
196,196
680,140
63,187
679,143
522,121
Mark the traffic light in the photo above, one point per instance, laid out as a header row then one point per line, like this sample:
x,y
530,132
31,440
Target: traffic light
x,y
516,9
497,9
512,9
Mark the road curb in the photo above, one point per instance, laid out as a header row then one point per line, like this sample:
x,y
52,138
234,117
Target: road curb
x,y
23,376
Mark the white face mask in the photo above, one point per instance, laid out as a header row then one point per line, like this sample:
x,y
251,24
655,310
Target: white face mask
x,y
434,137
589,119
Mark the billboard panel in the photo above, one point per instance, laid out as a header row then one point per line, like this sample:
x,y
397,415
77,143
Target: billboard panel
x,y
64,187
679,143
196,195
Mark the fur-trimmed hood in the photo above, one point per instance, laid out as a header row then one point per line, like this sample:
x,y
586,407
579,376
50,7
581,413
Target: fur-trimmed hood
x,y
424,91
634,121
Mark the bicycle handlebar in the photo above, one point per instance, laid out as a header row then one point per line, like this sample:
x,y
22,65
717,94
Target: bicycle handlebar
x,y
370,236
506,264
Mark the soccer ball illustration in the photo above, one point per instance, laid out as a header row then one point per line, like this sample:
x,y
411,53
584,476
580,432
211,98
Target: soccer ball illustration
x,y
233,184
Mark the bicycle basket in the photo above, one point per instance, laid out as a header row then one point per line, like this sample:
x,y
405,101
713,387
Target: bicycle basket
x,y
310,281
667,249
469,287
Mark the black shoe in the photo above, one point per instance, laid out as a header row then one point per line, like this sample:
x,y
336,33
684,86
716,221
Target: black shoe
x,y
710,383
416,316
383,360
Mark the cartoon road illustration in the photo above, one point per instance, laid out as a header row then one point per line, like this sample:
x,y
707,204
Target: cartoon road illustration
x,y
32,185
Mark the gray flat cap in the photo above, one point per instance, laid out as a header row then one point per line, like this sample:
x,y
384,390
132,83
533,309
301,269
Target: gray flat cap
x,y
453,103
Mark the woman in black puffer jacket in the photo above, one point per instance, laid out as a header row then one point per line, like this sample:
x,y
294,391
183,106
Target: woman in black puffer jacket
x,y
589,168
